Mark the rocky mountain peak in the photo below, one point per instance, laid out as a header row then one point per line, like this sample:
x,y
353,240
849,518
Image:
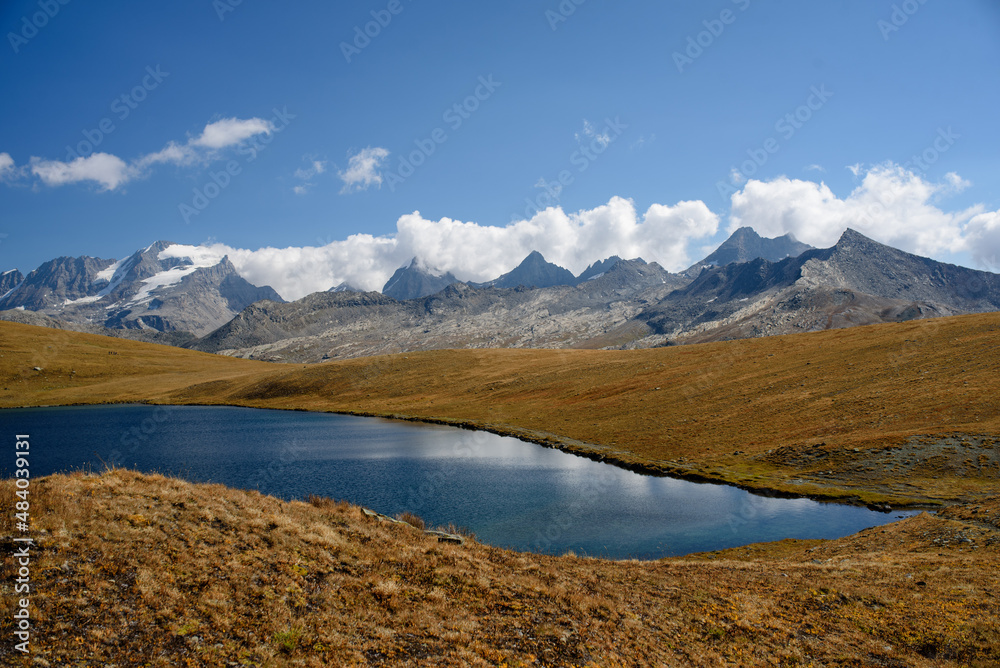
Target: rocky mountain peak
x,y
852,239
745,245
344,287
534,272
142,291
598,269
415,281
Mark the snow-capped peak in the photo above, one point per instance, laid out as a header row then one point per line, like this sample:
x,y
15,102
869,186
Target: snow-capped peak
x,y
198,256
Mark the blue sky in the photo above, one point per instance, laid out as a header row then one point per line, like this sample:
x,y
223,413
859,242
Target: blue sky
x,y
639,105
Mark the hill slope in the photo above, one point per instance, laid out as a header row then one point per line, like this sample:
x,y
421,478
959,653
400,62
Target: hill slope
x,y
900,412
129,567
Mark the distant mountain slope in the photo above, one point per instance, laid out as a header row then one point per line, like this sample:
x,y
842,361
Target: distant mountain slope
x,y
534,272
143,291
9,280
745,245
625,303
598,269
58,281
857,281
614,303
337,325
414,281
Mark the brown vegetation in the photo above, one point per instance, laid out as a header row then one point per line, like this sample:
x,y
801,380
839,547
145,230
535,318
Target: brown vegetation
x,y
813,414
144,570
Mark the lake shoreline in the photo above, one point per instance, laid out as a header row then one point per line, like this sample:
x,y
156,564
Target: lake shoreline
x,y
589,451
509,491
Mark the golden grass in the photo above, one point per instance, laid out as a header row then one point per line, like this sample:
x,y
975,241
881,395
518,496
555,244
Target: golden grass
x,y
711,411
145,570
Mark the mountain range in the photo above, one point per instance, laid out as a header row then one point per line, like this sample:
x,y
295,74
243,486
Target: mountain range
x,y
750,286
150,290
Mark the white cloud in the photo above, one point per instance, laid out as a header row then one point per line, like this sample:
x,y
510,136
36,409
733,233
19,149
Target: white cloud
x,y
892,205
641,142
171,153
306,174
317,167
475,252
6,166
108,170
815,168
362,169
984,240
589,131
231,131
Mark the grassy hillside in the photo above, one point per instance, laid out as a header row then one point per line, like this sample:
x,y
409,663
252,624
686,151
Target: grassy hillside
x,y
904,412
146,570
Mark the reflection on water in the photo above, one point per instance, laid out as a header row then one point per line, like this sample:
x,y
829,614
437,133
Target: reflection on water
x,y
508,492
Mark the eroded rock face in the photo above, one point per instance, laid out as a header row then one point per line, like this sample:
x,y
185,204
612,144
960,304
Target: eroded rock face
x,y
9,280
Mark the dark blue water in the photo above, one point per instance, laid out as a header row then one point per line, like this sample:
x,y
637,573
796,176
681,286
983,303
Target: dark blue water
x,y
508,492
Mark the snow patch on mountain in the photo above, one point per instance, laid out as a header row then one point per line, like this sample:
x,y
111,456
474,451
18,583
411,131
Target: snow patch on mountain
x,y
114,274
164,279
81,300
109,273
